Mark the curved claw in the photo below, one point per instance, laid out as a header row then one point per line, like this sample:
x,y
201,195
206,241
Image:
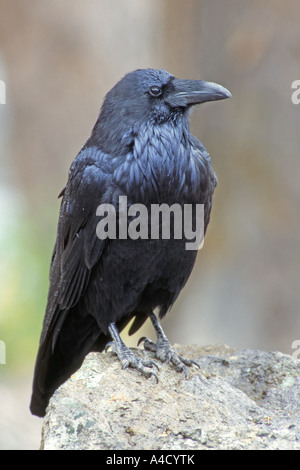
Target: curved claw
x,y
189,362
108,345
153,364
143,338
196,364
154,375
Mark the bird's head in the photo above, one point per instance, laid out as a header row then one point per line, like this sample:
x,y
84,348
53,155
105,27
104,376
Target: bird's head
x,y
149,95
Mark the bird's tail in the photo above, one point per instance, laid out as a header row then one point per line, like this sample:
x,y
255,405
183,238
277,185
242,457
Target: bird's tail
x,y
54,365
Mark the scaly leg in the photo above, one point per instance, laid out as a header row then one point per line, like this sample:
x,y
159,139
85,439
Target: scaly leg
x,y
163,349
127,357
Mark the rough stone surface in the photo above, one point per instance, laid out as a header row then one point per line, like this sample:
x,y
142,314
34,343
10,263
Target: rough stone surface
x,y
238,400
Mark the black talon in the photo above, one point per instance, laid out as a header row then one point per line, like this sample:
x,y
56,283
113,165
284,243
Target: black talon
x,y
140,340
154,364
127,357
108,345
196,364
163,349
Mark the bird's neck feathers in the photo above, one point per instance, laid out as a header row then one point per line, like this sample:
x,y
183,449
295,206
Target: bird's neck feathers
x,y
116,136
160,161
153,157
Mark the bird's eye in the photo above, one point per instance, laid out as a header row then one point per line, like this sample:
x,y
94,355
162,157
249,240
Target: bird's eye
x,y
155,91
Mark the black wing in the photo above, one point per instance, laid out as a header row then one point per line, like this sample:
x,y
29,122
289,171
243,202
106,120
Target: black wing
x,y
77,250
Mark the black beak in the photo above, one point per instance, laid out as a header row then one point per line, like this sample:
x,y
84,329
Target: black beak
x,y
190,92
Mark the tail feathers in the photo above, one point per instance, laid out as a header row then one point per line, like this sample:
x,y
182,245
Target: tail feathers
x,y
54,367
45,381
63,349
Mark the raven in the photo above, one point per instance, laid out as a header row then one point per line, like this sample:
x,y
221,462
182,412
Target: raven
x,y
141,148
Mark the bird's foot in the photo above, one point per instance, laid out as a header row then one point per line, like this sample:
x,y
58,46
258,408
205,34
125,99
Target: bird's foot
x,y
165,353
129,359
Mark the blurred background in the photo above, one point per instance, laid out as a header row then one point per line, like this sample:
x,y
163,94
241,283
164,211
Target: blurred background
x,y
58,60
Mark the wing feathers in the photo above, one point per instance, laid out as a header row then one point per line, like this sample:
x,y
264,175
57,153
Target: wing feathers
x,y
77,248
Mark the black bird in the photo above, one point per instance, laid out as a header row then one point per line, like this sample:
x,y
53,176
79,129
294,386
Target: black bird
x,y
141,148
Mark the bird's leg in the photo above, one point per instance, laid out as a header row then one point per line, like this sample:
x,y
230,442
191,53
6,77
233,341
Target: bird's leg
x,y
126,356
163,349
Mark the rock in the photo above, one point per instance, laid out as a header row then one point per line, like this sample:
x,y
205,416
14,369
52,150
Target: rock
x,y
237,400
